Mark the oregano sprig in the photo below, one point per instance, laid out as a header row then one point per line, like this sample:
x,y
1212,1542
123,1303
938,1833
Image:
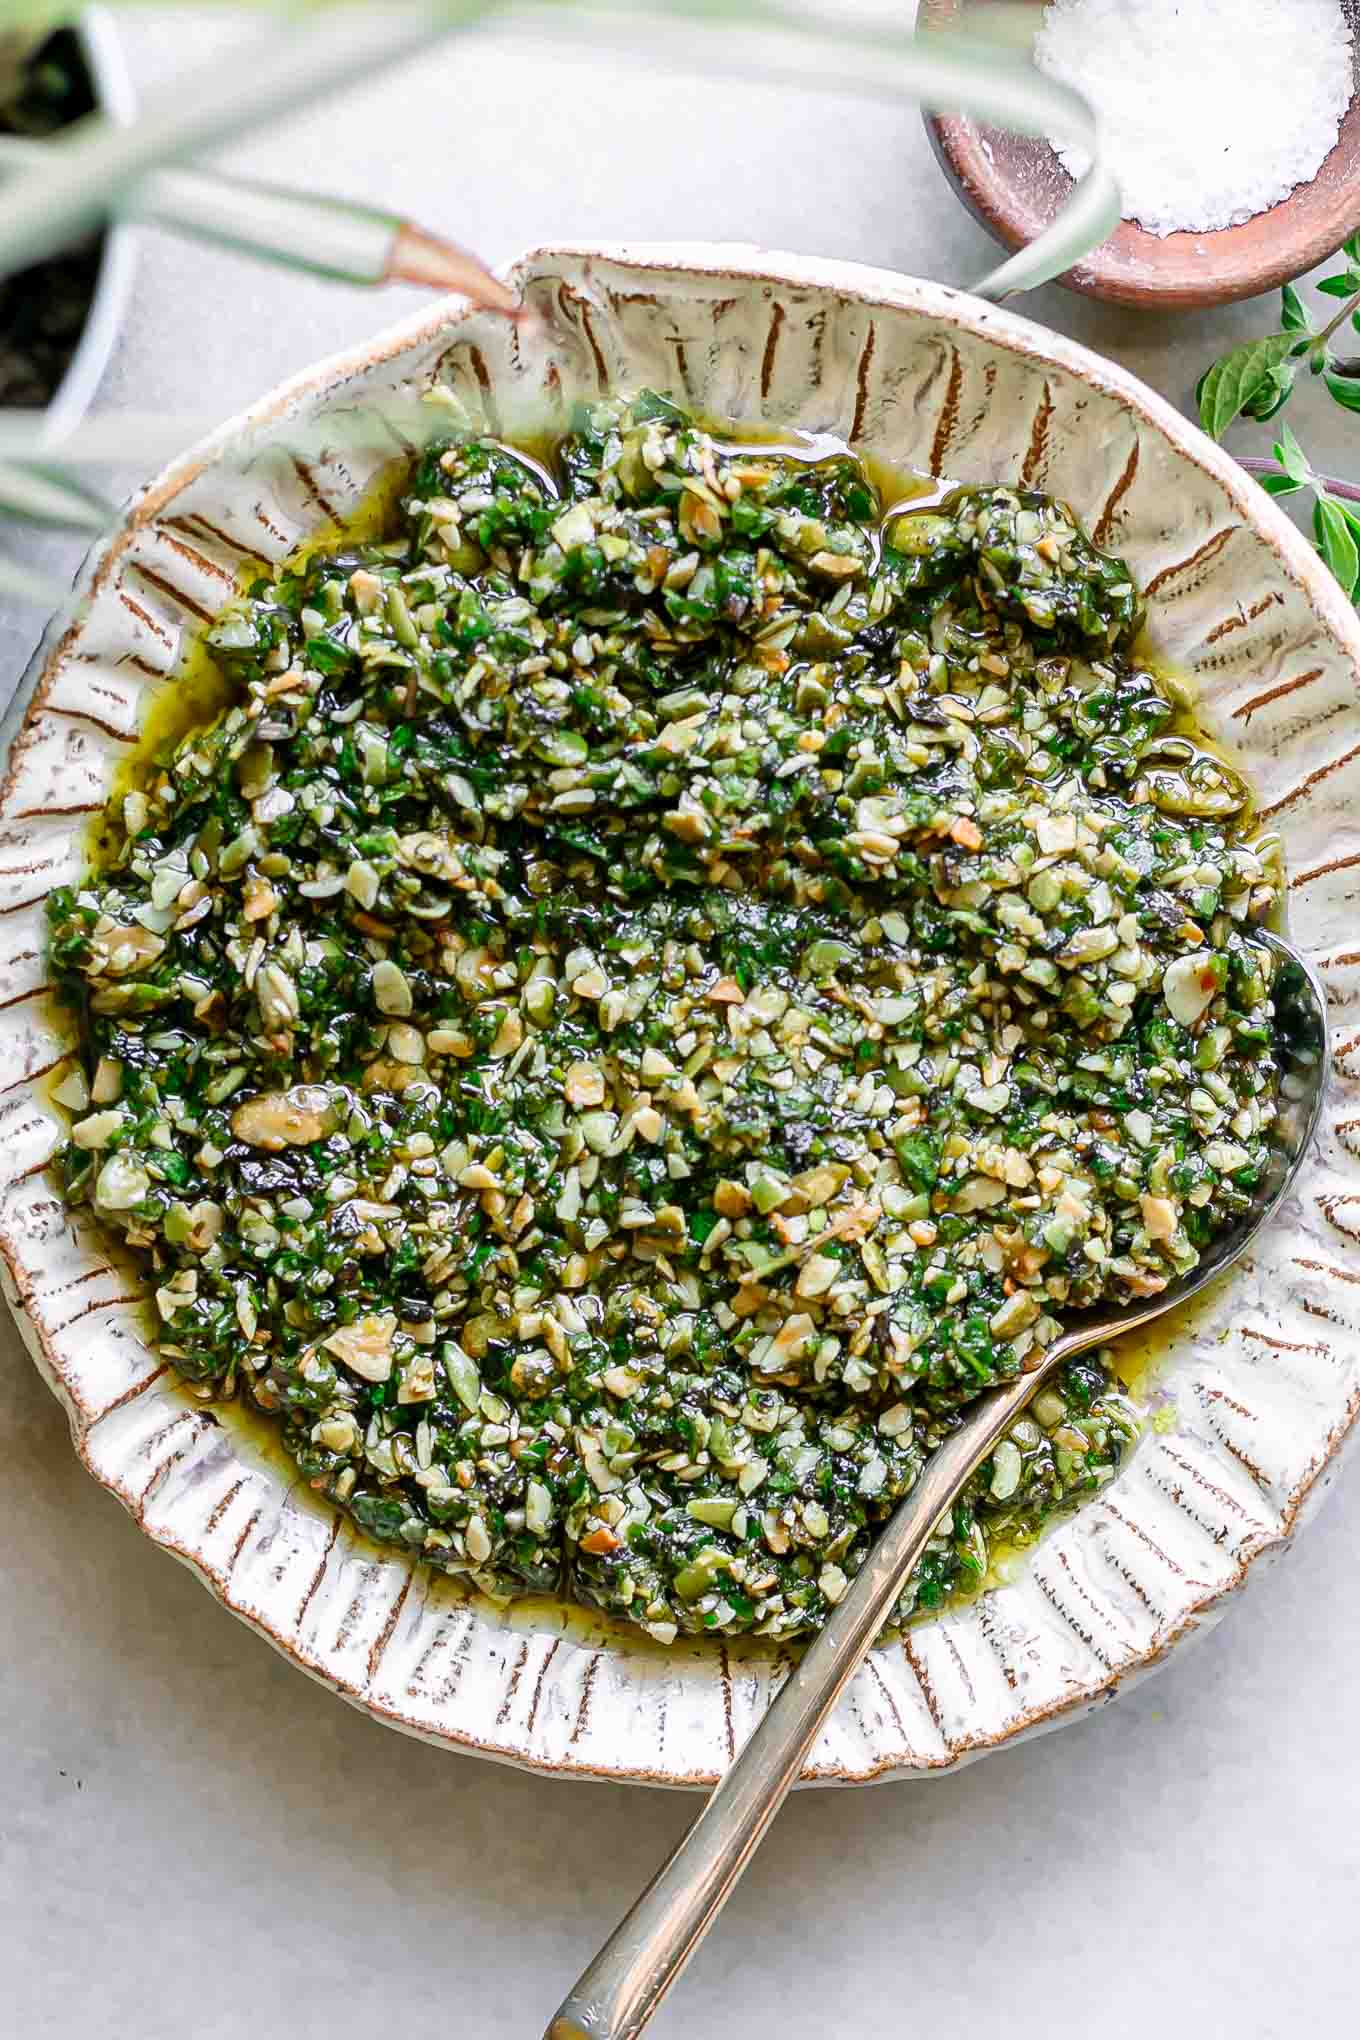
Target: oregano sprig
x,y
1257,379
1336,522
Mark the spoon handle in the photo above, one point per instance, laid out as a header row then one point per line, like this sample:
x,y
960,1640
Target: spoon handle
x,y
615,1997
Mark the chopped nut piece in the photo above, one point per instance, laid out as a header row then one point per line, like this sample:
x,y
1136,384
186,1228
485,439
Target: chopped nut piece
x,y
279,1119
1189,985
1159,1216
817,1274
584,1085
733,1200
366,1346
391,992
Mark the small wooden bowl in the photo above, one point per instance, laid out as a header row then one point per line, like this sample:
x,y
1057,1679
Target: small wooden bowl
x,y
1014,185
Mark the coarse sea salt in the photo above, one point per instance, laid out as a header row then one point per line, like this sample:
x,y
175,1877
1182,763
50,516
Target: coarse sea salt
x,y
1210,111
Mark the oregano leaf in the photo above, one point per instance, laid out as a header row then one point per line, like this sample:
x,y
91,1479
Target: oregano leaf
x,y
1291,456
1243,378
1350,511
1345,285
1274,394
1293,317
1336,542
1280,485
1343,389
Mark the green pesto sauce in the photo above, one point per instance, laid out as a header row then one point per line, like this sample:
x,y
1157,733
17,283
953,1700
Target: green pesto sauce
x,y
643,985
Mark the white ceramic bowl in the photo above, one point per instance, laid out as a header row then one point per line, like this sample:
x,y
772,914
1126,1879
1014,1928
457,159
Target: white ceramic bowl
x,y
1266,1383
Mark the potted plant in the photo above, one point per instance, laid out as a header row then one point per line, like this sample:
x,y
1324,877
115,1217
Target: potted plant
x,y
59,316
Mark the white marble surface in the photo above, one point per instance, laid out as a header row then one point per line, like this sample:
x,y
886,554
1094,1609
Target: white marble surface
x,y
194,1841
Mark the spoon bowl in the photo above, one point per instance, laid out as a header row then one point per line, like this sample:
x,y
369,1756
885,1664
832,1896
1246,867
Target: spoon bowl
x,y
1301,1041
616,1996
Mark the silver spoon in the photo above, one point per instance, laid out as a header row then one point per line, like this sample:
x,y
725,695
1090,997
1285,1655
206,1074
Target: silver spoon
x,y
616,1996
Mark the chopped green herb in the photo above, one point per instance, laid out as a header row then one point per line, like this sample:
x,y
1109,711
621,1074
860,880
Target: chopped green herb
x,y
653,995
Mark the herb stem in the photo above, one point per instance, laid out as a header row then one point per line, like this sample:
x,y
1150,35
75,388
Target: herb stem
x,y
1347,491
1351,305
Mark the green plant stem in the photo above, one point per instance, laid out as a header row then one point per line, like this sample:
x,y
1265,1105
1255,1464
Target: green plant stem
x,y
318,57
1351,305
983,72
24,585
50,499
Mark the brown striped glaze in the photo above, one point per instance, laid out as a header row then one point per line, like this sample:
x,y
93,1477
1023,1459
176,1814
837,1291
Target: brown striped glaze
x,y
1267,1385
